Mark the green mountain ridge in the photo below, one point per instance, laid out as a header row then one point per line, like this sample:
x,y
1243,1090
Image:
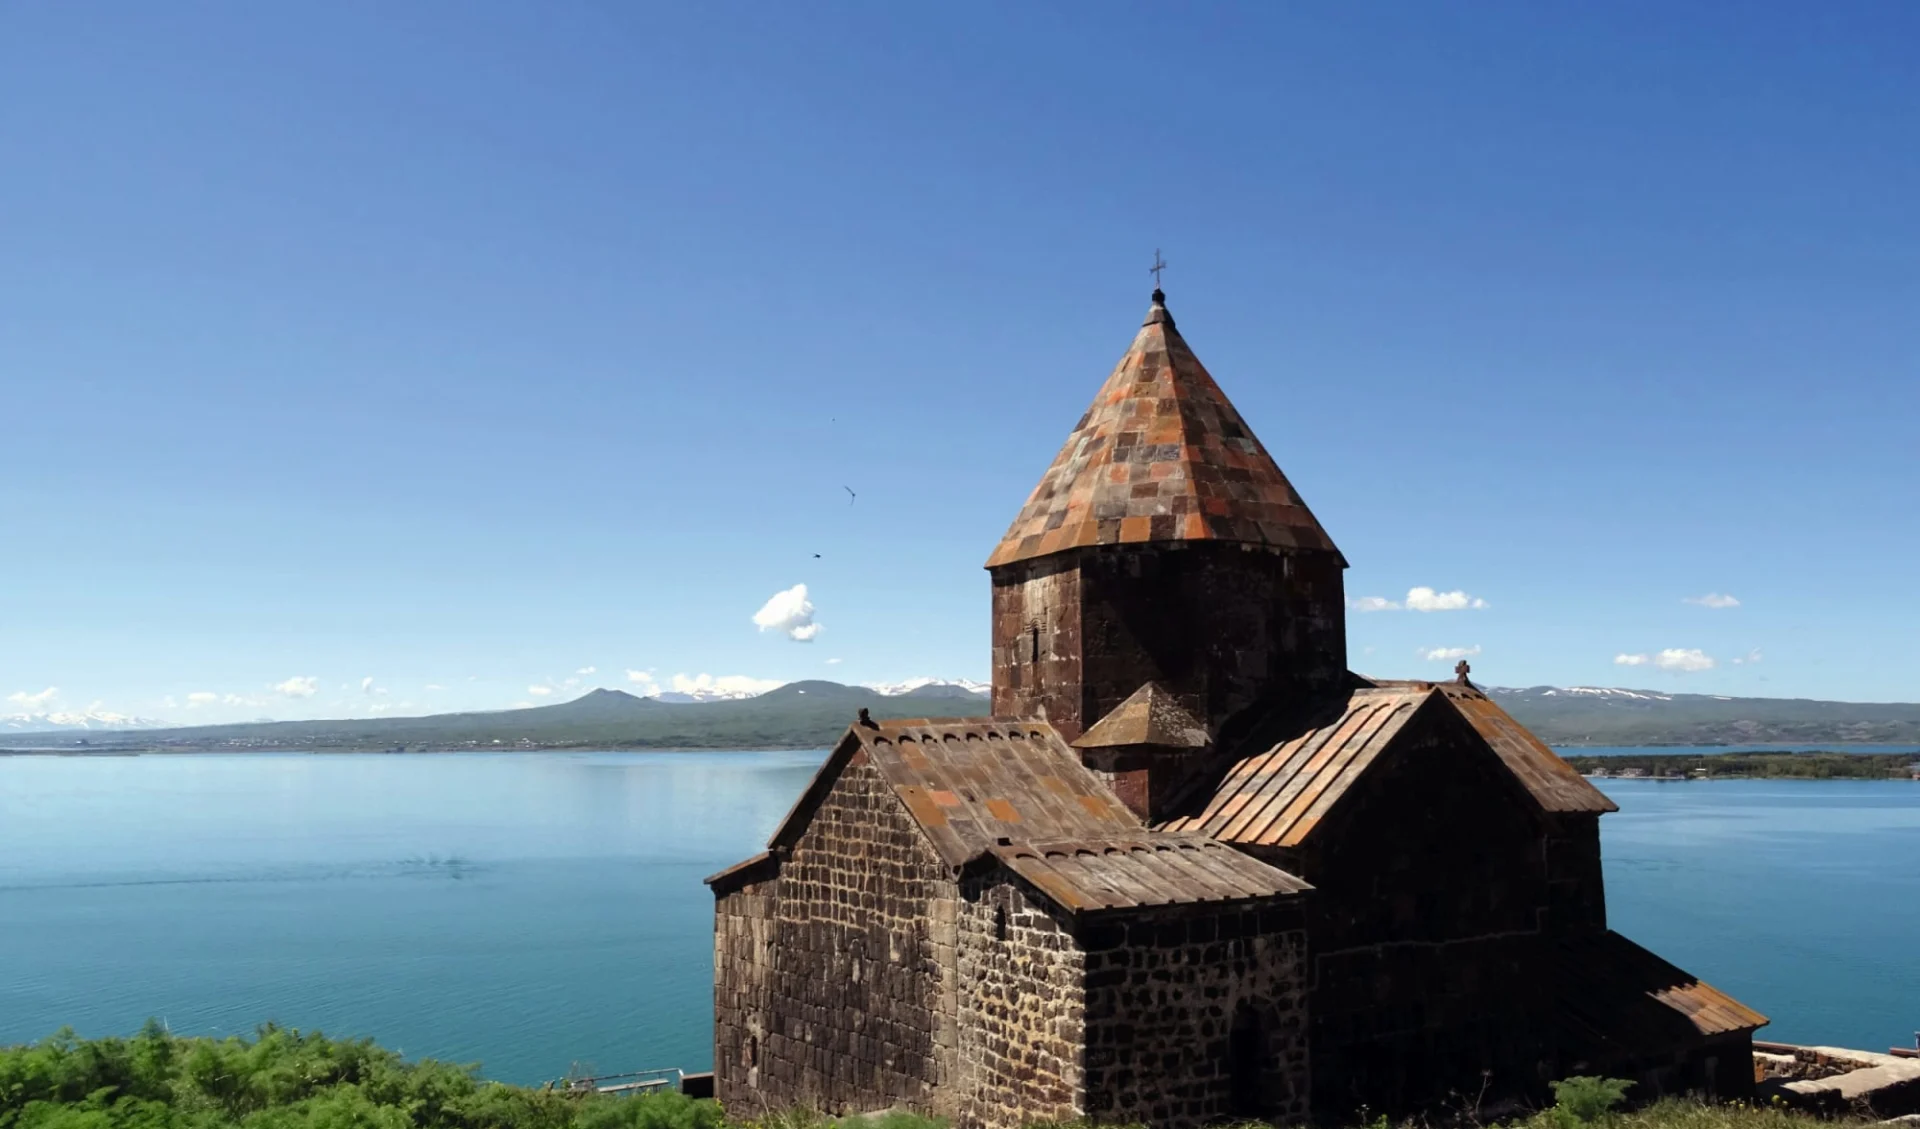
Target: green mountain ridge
x,y
812,714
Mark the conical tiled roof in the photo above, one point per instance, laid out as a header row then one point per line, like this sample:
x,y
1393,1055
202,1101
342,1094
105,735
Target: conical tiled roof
x,y
1160,456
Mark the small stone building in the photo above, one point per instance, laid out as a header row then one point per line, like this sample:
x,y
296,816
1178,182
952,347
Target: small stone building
x,y
1192,868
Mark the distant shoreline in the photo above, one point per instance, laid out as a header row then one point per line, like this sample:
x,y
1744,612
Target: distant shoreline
x,y
1749,765
163,751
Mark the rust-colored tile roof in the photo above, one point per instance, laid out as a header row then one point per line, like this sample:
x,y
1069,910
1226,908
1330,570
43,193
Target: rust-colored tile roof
x,y
970,782
1131,872
1160,456
1277,795
1555,783
1151,715
1614,995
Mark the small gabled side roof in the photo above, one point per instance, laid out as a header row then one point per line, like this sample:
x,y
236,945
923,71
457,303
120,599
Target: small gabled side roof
x,y
1613,995
1141,871
1150,715
972,782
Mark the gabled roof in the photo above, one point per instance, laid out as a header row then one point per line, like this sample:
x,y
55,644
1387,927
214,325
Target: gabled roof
x,y
1276,795
1160,456
1295,772
972,782
1132,872
1150,715
1617,997
1556,784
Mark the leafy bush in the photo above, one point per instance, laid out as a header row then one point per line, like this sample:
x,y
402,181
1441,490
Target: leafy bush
x,y
1583,1099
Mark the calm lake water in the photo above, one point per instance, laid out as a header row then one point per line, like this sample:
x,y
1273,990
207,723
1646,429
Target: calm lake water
x,y
531,911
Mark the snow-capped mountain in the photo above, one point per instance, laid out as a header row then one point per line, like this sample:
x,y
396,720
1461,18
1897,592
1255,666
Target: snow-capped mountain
x,y
932,687
1596,692
706,694
60,721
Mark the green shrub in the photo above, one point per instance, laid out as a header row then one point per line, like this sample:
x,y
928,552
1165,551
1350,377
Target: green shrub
x,y
284,1079
1584,1099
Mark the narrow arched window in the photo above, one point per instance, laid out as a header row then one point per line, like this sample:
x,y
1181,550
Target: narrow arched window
x,y
1000,923
1033,642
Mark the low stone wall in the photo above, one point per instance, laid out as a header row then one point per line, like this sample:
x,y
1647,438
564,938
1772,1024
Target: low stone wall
x,y
1022,1008
1836,1080
1195,1017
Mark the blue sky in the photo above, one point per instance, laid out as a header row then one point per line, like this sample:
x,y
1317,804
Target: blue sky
x,y
470,345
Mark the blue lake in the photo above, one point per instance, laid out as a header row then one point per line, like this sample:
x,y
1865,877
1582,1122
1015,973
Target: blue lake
x,y
533,911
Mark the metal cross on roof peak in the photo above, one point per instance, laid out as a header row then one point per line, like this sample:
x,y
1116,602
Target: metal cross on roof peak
x,y
1158,265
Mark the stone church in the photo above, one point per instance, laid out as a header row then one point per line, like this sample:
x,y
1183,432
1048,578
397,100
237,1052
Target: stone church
x,y
1192,868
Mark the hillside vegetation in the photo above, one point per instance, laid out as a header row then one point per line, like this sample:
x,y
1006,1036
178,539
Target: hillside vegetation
x,y
813,714
283,1079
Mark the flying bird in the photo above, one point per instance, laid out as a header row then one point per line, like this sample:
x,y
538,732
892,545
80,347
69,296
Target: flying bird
x,y
816,556
850,494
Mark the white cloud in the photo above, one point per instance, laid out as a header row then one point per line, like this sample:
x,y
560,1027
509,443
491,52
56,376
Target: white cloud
x,y
380,707
435,686
1419,600
1427,600
833,662
789,612
201,698
643,679
1749,658
521,706
1443,654
1713,600
298,687
31,700
1683,659
539,691
367,686
585,670
728,683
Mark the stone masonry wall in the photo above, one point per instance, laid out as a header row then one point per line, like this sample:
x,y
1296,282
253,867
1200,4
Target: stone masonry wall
x,y
1036,643
1430,963
1220,625
846,1004
1021,1008
1198,1014
742,969
1577,891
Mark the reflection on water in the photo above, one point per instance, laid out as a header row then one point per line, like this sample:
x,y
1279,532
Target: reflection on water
x,y
532,910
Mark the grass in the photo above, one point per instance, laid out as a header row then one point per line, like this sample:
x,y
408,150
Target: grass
x,y
284,1079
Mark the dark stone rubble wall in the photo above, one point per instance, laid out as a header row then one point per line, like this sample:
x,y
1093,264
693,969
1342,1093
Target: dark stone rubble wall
x,y
1022,1008
1432,976
834,983
1166,990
